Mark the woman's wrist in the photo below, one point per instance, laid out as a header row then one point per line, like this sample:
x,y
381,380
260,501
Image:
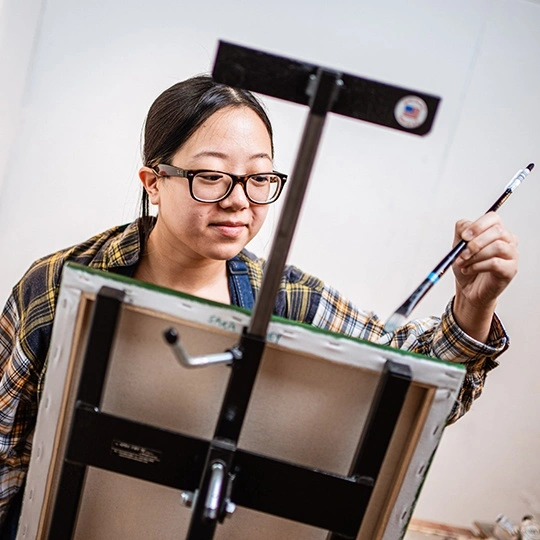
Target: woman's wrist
x,y
474,320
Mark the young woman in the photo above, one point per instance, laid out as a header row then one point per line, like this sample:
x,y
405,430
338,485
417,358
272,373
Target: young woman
x,y
208,167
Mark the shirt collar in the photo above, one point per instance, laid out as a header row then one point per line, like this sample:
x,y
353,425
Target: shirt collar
x,y
125,249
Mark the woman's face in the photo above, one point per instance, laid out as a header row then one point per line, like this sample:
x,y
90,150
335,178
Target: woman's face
x,y
233,140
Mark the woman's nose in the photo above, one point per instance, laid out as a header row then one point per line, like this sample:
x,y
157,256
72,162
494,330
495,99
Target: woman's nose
x,y
236,199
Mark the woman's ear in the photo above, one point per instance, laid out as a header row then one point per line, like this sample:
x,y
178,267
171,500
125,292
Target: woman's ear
x,y
149,180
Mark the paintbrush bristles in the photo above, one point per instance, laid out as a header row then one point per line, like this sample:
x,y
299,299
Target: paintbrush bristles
x,y
394,322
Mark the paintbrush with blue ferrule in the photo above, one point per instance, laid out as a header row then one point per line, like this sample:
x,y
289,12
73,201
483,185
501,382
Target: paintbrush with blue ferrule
x,y
402,313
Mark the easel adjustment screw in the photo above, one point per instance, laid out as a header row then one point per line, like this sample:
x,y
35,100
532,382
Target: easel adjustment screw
x,y
230,507
187,498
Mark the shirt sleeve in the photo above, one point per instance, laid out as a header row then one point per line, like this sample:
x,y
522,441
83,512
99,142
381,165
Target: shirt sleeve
x,y
18,408
439,337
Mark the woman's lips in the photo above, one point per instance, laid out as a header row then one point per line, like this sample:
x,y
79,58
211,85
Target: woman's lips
x,y
230,229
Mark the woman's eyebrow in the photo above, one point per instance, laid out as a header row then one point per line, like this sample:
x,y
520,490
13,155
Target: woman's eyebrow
x,y
261,155
221,155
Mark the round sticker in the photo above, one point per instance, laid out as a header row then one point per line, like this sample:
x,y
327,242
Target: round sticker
x,y
411,112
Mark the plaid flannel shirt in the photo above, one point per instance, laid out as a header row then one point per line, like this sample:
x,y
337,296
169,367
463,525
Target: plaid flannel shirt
x,y
26,324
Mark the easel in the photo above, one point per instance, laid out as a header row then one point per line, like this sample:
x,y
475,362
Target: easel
x,y
217,475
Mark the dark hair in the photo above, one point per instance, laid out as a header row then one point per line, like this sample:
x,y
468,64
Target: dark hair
x,y
180,110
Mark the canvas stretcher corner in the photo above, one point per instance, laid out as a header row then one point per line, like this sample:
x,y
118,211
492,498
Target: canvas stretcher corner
x,y
309,405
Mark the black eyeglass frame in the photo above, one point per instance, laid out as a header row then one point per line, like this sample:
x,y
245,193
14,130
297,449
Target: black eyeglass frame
x,y
165,170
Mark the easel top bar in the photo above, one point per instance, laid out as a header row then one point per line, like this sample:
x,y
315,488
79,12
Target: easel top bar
x,y
287,79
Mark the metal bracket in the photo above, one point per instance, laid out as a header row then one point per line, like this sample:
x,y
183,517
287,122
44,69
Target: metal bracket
x,y
286,78
173,339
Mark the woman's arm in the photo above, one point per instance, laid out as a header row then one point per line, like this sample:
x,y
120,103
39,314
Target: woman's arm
x,y
17,407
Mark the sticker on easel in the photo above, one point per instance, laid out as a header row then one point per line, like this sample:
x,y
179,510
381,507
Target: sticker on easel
x,y
135,452
411,112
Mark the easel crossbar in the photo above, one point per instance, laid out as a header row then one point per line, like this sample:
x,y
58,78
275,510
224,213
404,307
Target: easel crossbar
x,y
307,495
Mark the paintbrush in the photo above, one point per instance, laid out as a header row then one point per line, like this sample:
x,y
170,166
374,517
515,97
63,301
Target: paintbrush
x,y
399,317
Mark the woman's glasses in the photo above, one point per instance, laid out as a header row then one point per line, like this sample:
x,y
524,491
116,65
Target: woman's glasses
x,y
214,186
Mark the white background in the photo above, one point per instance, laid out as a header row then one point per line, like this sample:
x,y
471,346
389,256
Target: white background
x,y
78,77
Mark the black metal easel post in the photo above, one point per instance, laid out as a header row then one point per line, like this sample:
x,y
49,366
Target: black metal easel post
x,y
90,390
379,427
323,90
218,476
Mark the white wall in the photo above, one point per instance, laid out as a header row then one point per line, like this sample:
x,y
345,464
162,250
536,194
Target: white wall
x,y
71,143
19,31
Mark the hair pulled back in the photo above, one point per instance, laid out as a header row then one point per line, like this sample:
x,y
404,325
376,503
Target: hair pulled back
x,y
180,110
